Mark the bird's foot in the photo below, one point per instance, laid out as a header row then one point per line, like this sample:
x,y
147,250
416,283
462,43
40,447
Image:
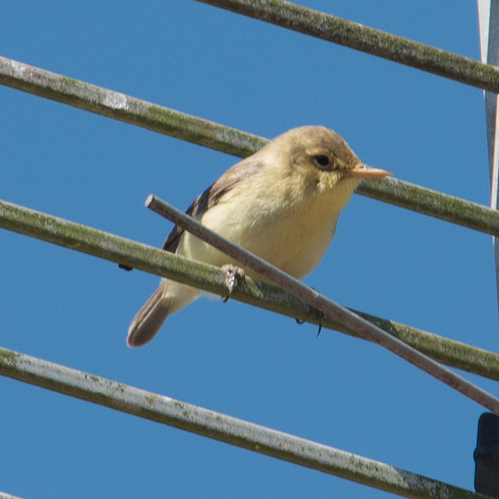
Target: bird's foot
x,y
318,315
233,277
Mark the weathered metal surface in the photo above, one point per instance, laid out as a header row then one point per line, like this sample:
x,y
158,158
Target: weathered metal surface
x,y
218,426
366,39
140,256
229,140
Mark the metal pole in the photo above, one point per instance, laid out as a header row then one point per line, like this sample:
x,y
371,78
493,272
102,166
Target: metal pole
x,y
361,326
489,49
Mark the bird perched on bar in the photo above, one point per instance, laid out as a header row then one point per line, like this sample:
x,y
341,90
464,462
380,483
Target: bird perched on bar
x,y
282,203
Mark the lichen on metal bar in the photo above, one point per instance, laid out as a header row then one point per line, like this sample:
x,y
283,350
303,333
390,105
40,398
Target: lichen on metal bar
x,y
140,256
224,428
432,203
372,41
125,108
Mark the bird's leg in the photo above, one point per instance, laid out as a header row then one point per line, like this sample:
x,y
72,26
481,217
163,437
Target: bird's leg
x,y
233,276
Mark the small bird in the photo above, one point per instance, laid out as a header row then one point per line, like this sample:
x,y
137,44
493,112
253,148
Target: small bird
x,y
282,203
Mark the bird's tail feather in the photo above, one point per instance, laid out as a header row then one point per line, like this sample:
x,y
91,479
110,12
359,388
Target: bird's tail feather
x,y
148,320
168,298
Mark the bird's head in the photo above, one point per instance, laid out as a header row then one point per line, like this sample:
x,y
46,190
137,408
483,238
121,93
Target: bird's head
x,y
323,159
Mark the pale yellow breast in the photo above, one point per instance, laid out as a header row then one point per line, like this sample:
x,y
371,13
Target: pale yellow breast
x,y
291,231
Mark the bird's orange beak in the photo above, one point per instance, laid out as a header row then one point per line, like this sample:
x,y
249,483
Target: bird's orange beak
x,y
364,171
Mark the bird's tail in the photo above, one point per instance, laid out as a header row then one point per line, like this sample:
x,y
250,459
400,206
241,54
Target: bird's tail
x,y
166,300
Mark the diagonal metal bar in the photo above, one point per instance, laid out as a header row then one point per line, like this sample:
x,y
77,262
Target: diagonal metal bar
x,y
373,41
309,295
218,426
229,140
148,259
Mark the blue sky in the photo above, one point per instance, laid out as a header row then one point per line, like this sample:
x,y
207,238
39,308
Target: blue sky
x,y
74,309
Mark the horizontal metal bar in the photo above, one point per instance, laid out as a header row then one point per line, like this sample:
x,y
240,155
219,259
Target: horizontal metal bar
x,y
155,261
372,41
229,140
218,426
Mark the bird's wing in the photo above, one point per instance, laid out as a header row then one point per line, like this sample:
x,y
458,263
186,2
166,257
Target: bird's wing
x,y
211,196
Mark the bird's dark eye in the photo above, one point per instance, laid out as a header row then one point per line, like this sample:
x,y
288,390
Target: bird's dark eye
x,y
322,160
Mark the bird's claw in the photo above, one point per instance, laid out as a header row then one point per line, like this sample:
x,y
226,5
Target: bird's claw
x,y
233,277
319,316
